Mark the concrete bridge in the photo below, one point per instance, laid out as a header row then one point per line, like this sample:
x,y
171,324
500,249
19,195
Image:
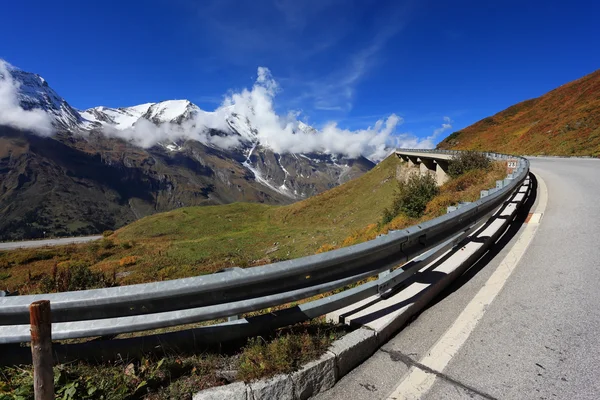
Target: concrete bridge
x,y
434,163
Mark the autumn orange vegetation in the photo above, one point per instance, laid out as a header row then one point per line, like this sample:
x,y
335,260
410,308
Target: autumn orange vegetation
x,y
128,260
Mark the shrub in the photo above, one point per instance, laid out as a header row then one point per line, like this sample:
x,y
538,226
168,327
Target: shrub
x,y
468,161
411,197
439,205
127,245
74,276
282,355
465,181
107,233
107,244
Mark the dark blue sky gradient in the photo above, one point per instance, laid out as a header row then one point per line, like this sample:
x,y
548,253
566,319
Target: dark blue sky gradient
x,y
348,61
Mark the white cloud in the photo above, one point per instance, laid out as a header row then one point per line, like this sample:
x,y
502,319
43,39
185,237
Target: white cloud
x,y
11,112
445,126
429,142
282,133
279,132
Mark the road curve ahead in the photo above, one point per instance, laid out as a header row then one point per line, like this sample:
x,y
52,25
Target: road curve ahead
x,y
539,338
47,242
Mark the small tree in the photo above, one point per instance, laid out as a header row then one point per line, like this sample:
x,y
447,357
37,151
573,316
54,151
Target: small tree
x,y
468,161
411,197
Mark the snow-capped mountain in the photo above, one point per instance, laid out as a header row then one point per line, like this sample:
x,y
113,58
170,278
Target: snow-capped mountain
x,y
119,118
35,93
170,111
306,128
88,174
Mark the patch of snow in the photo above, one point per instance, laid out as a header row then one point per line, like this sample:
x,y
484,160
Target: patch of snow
x,y
242,126
258,175
306,128
171,110
119,118
173,147
315,160
283,187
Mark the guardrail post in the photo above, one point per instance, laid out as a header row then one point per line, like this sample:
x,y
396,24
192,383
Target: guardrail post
x,y
233,318
484,193
384,273
499,184
41,349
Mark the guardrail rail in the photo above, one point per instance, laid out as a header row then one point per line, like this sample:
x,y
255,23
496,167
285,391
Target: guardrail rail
x,y
230,293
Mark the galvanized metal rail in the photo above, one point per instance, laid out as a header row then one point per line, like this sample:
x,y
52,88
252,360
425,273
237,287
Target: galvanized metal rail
x,y
133,308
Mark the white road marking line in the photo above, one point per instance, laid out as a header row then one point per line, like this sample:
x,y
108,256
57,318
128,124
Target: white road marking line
x,y
418,382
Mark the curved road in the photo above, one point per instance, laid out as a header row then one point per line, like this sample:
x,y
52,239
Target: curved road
x,y
47,242
539,338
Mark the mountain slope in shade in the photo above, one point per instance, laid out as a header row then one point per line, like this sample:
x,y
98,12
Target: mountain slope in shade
x,y
564,121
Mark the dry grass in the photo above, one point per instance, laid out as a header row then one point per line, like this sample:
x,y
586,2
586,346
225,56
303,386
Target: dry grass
x,y
465,188
200,240
564,121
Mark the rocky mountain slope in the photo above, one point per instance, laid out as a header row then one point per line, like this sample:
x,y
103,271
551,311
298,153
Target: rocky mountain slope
x,y
564,121
83,180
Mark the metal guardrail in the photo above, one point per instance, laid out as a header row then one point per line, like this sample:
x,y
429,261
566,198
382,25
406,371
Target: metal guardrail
x,y
236,291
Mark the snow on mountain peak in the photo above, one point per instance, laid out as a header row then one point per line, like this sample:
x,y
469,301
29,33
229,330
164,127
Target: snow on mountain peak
x,y
119,118
306,128
171,111
33,92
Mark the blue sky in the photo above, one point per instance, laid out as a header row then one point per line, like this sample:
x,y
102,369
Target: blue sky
x,y
349,61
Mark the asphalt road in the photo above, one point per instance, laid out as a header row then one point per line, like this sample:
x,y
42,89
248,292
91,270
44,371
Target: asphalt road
x,y
47,242
540,337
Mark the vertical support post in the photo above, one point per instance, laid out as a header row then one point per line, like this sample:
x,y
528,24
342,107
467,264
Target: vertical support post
x,y
384,273
41,349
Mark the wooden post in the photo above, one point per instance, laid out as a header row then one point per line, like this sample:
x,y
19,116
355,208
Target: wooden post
x,y
41,349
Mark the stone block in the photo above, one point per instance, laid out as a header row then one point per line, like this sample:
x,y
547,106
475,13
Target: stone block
x,y
352,349
314,377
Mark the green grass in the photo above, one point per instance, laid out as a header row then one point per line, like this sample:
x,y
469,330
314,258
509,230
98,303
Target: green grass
x,y
198,240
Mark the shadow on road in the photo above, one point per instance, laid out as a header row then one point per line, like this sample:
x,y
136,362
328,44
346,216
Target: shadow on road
x,y
494,250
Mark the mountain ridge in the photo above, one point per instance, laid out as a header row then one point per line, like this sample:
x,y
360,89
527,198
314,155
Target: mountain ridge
x,y
564,121
87,176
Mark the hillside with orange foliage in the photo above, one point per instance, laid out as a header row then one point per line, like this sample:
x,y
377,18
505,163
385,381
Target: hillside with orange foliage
x,y
564,121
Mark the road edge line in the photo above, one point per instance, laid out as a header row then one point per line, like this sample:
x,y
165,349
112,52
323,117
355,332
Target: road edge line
x,y
417,382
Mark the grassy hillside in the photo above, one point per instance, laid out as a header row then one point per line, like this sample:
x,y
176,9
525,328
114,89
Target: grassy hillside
x,y
564,121
198,240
